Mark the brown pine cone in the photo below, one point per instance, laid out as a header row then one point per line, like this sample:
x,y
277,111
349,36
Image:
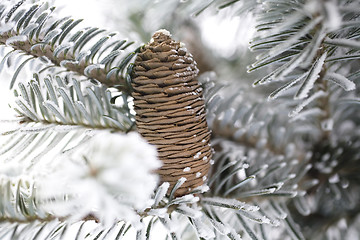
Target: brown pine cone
x,y
170,112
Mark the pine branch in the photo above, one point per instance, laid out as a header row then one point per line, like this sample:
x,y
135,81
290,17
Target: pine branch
x,y
31,30
244,117
18,201
69,104
295,39
56,230
51,110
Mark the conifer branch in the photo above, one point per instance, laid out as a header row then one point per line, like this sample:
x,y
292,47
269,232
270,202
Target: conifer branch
x,y
31,30
300,40
71,105
248,120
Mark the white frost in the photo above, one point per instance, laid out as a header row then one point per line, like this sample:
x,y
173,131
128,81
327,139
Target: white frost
x,y
342,81
116,179
203,188
16,39
306,102
232,203
307,113
327,124
289,43
334,178
161,192
311,78
164,31
203,230
93,67
333,17
197,155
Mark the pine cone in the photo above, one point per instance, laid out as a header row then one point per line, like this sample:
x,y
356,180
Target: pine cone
x,y
170,112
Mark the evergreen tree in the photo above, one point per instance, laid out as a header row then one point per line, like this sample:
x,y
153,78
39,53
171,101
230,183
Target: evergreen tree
x,y
109,138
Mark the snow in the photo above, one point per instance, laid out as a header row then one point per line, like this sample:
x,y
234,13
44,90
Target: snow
x,y
186,199
188,211
334,178
159,212
224,230
198,174
333,19
292,176
341,80
327,124
82,55
311,78
203,188
116,179
345,183
10,169
197,155
241,173
230,203
285,87
343,42
29,28
181,181
287,23
161,192
16,39
5,27
203,230
304,103
62,47
88,70
65,62
280,48
294,63
325,157
312,112
50,35
187,169
163,31
314,48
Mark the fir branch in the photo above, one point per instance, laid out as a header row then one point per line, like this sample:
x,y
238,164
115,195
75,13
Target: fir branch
x,y
31,30
71,104
56,230
28,143
18,201
303,39
246,118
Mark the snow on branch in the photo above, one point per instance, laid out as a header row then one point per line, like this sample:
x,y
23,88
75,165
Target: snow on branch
x,y
111,178
92,52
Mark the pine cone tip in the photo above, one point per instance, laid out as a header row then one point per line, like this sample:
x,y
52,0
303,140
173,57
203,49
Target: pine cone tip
x,y
160,36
